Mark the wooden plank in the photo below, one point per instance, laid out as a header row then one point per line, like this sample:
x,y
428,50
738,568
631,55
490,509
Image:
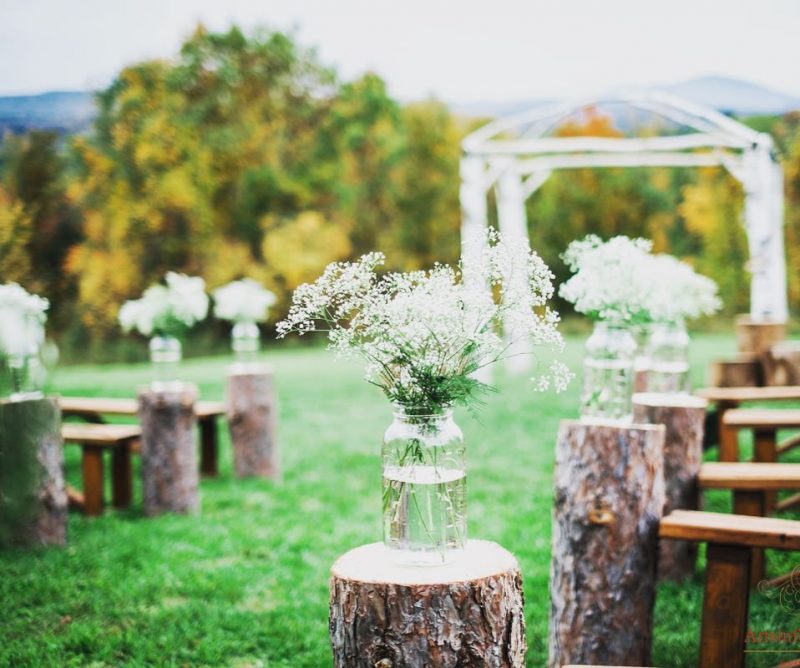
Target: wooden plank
x,y
725,603
209,465
742,394
99,434
749,476
788,444
788,502
765,450
122,406
121,476
767,532
753,418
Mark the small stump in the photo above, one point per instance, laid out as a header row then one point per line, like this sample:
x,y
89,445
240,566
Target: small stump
x,y
468,613
743,370
252,420
609,498
782,364
169,450
683,416
33,495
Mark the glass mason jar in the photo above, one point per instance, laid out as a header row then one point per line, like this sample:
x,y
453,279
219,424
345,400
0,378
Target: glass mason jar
x,y
608,373
424,488
668,349
24,361
245,341
165,356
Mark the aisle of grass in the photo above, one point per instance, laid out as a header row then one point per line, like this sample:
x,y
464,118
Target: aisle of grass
x,y
245,583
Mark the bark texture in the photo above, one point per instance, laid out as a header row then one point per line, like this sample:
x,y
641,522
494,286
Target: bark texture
x,y
476,618
252,420
782,364
743,371
757,337
683,418
169,451
609,497
33,495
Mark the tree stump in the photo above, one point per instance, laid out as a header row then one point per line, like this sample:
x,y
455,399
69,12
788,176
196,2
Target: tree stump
x,y
782,364
757,337
683,416
742,371
252,420
169,450
609,498
467,613
33,495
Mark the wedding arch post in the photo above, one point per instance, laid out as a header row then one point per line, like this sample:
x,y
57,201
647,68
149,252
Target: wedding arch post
x,y
515,156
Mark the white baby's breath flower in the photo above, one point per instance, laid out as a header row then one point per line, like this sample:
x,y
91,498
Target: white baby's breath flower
x,y
242,301
166,309
423,334
22,318
677,292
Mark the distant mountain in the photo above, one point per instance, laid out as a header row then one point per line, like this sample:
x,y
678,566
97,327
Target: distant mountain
x,y
73,111
62,111
732,96
741,98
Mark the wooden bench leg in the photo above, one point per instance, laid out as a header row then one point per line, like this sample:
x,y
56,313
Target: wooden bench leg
x,y
725,604
765,449
92,464
752,502
208,447
121,475
728,443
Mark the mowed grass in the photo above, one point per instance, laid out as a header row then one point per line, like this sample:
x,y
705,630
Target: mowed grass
x,y
245,583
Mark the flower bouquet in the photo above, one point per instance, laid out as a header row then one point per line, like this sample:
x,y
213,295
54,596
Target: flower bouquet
x,y
22,319
244,303
165,313
423,336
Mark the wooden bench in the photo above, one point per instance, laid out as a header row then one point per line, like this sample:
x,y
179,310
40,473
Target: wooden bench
x,y
765,423
726,398
754,486
95,439
730,541
93,409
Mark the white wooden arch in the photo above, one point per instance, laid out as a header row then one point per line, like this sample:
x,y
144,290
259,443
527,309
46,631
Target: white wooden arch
x,y
515,156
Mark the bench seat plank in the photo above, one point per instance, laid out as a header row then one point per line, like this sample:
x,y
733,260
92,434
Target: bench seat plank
x,y
749,475
99,434
768,418
742,394
122,406
721,528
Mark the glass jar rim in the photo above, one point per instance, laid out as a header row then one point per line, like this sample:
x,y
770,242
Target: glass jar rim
x,y
406,411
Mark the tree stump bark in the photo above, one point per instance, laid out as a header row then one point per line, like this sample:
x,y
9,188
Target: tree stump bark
x,y
609,498
33,495
467,613
782,364
169,451
683,416
757,337
742,371
252,420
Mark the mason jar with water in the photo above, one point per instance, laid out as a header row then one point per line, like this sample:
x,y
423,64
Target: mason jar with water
x,y
424,487
608,373
668,350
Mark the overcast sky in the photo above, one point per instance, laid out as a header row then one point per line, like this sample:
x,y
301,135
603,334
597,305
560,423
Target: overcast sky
x,y
458,50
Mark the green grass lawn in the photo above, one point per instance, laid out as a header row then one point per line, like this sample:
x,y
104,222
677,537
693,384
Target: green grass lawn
x,y
245,583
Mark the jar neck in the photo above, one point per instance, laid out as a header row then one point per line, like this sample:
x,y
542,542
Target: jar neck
x,y
422,414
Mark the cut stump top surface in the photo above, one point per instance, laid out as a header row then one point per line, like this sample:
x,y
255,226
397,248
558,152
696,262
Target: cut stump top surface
x,y
375,563
670,400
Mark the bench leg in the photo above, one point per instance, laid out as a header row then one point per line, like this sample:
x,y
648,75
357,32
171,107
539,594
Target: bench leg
x,y
208,447
92,464
725,602
728,443
747,502
121,476
765,449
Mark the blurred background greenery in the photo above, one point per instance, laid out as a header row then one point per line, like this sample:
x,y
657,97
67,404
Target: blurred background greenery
x,y
246,156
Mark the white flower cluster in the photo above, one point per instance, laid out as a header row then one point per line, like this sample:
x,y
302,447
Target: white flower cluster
x,y
608,278
621,280
677,292
22,318
424,333
242,301
166,309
